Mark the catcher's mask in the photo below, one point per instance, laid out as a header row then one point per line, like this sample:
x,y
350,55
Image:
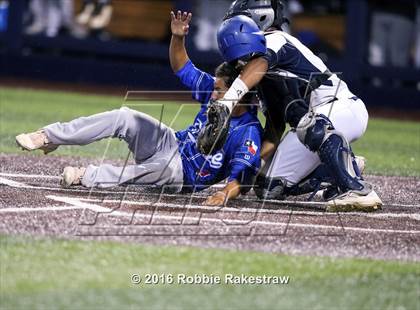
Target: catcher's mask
x,y
265,13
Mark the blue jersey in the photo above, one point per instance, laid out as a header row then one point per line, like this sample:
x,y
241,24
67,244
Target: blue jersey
x,y
239,159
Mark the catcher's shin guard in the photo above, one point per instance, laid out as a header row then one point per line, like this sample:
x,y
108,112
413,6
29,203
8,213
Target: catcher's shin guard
x,y
321,179
337,156
318,134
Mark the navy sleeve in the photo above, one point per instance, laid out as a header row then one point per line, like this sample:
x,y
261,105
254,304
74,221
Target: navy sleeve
x,y
271,57
276,52
245,161
200,82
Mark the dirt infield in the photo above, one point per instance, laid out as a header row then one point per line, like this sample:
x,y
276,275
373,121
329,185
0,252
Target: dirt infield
x,y
33,203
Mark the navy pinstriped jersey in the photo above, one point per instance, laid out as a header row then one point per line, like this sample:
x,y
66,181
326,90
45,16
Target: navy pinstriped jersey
x,y
287,56
240,157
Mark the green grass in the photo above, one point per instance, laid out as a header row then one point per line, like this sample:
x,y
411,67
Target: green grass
x,y
44,273
391,147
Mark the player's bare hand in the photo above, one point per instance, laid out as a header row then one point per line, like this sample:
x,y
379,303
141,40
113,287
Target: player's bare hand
x,y
180,23
217,199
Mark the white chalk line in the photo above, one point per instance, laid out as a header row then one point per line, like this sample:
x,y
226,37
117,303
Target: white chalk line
x,y
97,191
11,183
51,177
49,208
27,176
190,207
22,185
76,202
57,189
16,184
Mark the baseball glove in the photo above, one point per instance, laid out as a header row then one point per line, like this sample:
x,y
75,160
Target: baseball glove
x,y
213,135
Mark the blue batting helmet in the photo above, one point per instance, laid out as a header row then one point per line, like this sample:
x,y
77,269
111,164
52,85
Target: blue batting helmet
x,y
239,37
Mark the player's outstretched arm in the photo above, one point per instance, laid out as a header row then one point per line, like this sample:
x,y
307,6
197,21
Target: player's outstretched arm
x,y
250,76
178,56
231,191
254,71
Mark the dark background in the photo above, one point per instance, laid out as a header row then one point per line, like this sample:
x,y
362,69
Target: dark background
x,y
338,31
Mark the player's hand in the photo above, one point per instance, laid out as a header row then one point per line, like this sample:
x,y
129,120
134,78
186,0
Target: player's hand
x,y
217,199
180,23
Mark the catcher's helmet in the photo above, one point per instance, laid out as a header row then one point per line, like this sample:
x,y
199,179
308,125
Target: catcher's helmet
x,y
265,13
260,11
239,38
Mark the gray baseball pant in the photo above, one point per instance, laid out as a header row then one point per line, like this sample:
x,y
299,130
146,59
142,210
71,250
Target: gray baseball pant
x,y
153,144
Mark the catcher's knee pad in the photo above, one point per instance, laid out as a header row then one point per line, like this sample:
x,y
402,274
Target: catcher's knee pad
x,y
313,130
270,187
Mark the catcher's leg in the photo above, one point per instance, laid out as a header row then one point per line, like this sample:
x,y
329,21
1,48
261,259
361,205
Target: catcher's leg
x,y
318,134
319,179
293,162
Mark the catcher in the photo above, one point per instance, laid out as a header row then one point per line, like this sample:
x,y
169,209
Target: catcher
x,y
320,134
162,156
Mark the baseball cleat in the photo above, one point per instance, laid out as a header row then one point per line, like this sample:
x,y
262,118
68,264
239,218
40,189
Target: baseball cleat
x,y
72,176
355,201
34,141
